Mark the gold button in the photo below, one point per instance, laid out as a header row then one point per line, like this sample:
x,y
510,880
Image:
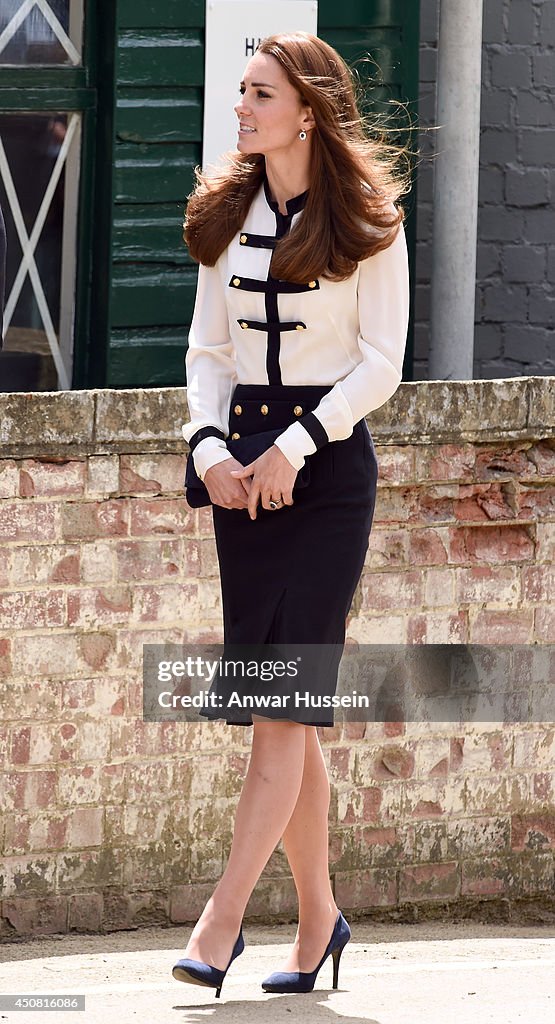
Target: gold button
x,y
244,325
312,284
243,239
235,437
300,327
236,281
237,409
298,410
264,409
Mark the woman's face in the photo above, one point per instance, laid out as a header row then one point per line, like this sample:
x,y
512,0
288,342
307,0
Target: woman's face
x,y
269,110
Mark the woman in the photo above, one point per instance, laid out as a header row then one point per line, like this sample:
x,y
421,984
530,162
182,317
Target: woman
x,y
300,324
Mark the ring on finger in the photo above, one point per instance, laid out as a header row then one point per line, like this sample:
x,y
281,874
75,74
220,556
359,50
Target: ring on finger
x,y
275,503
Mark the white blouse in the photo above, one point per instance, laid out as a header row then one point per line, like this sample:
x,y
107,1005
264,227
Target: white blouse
x,y
248,328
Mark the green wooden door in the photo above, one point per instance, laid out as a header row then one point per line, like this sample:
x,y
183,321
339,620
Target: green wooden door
x,y
155,128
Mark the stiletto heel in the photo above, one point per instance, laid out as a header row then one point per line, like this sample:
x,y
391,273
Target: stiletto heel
x,y
303,981
336,955
196,973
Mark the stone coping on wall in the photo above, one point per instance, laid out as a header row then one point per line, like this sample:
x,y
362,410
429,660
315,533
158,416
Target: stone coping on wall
x,y
97,421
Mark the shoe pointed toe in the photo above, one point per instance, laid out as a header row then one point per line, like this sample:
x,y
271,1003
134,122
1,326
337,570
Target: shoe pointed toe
x,y
303,981
195,972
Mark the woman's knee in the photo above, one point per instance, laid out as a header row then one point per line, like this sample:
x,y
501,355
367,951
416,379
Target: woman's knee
x,y
273,728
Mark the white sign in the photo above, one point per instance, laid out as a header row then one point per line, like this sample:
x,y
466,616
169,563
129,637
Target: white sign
x,y
234,29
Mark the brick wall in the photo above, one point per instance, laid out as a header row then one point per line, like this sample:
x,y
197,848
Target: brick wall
x,y
515,307
99,553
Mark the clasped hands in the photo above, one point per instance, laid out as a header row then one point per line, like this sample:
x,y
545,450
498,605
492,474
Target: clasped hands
x,y
232,485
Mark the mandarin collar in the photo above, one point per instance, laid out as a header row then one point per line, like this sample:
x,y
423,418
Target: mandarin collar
x,y
293,205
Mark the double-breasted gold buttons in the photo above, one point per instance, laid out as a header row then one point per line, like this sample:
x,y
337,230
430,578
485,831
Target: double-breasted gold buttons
x,y
312,284
237,409
235,437
243,239
300,327
298,410
264,410
244,325
236,281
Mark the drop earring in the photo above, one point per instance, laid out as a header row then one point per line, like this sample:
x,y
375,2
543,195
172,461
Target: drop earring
x,y
302,135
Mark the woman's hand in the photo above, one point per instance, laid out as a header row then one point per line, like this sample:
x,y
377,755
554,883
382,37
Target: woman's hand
x,y
224,489
273,476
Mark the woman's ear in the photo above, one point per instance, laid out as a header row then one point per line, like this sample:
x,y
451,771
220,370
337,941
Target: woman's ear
x,y
308,119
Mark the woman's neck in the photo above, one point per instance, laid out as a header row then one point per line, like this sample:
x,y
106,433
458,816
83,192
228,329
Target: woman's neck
x,y
287,181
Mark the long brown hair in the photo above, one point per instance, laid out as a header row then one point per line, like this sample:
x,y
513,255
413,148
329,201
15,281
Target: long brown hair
x,y
333,234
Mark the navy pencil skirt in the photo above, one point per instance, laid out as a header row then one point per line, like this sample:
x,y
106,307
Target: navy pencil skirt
x,y
289,576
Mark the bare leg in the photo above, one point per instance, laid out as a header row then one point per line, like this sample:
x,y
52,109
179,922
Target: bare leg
x,y
267,800
305,841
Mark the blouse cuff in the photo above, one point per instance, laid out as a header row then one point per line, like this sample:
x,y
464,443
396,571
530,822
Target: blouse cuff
x,y
208,453
296,443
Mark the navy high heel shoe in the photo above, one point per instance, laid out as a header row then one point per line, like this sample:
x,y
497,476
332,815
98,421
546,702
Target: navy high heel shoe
x,y
303,981
197,973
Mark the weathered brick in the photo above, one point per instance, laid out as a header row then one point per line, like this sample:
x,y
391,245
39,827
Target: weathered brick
x,y
490,544
61,655
148,559
103,475
497,793
45,563
35,916
387,591
545,542
438,628
85,912
430,841
429,881
9,478
501,627
85,827
48,477
431,757
360,804
89,520
99,606
97,561
387,547
488,876
535,831
501,461
445,462
544,625
478,836
22,520
171,603
33,609
537,502
494,585
94,869
538,583
34,789
159,516
428,546
534,747
364,890
396,464
433,798
152,474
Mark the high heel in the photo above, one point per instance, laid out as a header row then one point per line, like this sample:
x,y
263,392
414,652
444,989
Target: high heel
x,y
197,973
303,981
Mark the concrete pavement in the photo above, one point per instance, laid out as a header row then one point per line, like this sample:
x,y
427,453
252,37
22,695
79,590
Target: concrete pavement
x,y
469,973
